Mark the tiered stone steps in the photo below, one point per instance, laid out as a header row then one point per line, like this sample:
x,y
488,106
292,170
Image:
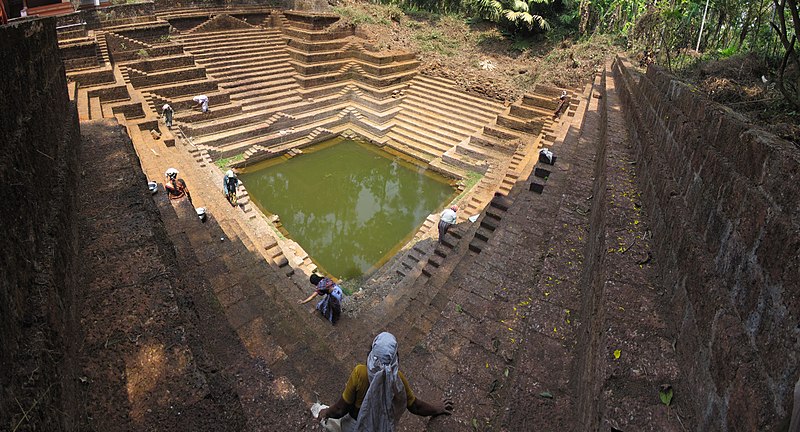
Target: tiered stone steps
x,y
491,274
435,117
259,297
463,293
251,64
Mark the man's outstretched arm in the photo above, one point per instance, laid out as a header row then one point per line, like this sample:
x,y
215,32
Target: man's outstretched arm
x,y
422,408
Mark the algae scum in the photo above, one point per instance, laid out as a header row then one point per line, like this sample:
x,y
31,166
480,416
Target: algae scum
x,y
350,205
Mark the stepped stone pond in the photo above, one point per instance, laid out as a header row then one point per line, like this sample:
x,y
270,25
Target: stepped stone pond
x,y
350,205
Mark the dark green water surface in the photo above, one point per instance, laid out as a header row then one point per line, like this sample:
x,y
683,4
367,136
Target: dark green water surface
x,y
350,205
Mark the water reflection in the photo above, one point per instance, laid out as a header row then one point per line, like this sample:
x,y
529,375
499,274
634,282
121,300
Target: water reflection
x,y
346,204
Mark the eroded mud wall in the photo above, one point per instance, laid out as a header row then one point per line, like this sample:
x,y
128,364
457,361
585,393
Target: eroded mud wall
x,y
724,201
38,147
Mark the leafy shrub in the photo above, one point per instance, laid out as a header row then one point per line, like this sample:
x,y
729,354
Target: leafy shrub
x,y
516,15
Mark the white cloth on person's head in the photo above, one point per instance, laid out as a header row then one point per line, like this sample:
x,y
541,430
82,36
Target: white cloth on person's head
x,y
166,107
385,401
547,153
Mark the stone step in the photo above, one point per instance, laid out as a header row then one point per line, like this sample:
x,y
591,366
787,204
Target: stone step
x,y
219,139
301,127
185,103
433,108
468,148
515,123
244,67
451,92
450,107
464,161
371,80
427,120
83,105
495,144
273,138
254,75
436,138
233,45
527,112
501,132
206,127
409,150
238,52
191,87
160,64
224,64
417,144
249,84
378,93
95,108
223,35
178,75
540,101
264,91
282,100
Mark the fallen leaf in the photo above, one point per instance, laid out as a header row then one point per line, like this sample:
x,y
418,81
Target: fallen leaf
x,y
617,354
665,393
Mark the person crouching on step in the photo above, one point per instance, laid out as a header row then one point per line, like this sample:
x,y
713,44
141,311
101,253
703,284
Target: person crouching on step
x,y
446,219
175,187
331,304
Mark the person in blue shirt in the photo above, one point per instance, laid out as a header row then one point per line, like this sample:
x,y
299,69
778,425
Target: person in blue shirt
x,y
229,183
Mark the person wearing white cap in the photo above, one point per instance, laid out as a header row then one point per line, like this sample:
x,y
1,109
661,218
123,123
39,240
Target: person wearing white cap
x,y
447,218
202,102
229,183
175,187
167,112
377,394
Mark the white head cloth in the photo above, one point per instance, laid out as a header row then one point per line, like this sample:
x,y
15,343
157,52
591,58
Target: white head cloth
x,y
385,401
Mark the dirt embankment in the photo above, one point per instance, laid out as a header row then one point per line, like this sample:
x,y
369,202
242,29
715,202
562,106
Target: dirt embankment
x,y
477,56
744,84
483,61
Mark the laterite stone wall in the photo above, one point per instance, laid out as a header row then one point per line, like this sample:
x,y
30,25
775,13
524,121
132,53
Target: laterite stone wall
x,y
724,198
39,140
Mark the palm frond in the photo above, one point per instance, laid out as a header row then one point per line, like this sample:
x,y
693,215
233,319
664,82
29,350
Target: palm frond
x,y
519,6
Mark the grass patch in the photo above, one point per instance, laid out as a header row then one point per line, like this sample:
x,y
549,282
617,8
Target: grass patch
x,y
365,13
350,286
224,162
472,178
355,16
435,41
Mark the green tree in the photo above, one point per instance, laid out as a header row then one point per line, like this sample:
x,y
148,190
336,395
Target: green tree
x,y
519,16
787,25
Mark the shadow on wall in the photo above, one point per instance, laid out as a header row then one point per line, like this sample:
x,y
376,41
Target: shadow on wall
x,y
40,136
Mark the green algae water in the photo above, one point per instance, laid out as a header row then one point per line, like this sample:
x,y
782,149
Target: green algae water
x,y
350,205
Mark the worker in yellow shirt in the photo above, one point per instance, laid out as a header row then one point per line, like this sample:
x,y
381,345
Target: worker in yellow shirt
x,y
377,388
